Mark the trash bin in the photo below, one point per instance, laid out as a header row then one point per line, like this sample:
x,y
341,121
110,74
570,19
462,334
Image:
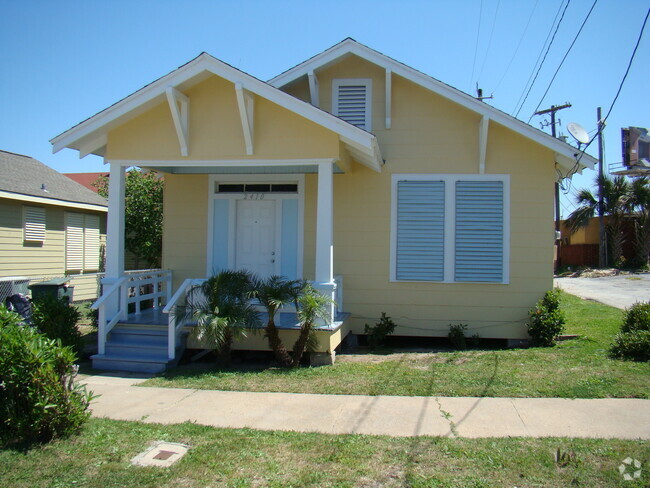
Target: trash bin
x,y
56,288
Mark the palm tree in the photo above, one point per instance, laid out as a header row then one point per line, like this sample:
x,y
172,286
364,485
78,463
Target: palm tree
x,y
273,293
223,310
640,198
310,306
616,205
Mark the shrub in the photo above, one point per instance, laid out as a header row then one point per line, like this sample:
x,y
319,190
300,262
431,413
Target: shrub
x,y
637,317
457,336
633,341
93,317
546,320
38,397
57,319
633,345
377,333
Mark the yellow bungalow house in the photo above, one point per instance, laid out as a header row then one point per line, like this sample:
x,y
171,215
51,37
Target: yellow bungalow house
x,y
50,227
392,191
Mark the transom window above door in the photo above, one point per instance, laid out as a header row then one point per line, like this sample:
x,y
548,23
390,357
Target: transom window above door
x,y
256,188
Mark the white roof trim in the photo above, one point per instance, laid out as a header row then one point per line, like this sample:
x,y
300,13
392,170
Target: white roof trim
x,y
566,154
96,125
52,201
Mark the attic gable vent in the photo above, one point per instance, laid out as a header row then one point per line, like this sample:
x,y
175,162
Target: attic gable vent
x,y
351,101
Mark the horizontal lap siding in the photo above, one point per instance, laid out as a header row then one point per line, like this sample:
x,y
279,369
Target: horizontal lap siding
x,y
32,259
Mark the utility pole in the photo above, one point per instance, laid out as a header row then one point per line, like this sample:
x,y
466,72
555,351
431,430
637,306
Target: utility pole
x,y
552,111
602,255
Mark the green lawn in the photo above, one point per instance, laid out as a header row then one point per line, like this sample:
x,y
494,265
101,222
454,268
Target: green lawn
x,y
100,457
577,368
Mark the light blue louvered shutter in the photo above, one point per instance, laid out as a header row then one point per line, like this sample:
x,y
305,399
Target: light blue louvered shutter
x,y
420,230
479,231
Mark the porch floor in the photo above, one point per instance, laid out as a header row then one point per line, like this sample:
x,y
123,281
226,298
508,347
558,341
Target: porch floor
x,y
284,320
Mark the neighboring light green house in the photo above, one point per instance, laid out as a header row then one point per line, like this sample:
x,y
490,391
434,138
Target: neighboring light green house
x,y
50,226
390,190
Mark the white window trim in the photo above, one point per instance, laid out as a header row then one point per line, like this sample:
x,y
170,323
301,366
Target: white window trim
x,y
38,224
450,220
337,82
299,179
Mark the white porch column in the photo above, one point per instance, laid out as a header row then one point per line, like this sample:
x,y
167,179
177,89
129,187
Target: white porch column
x,y
324,234
115,241
115,223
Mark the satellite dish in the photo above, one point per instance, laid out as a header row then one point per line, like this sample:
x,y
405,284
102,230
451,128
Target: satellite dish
x,y
579,132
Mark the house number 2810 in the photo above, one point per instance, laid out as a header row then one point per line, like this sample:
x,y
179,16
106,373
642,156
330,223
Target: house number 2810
x,y
253,196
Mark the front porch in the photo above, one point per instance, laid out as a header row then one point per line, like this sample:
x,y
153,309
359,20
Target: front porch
x,y
145,334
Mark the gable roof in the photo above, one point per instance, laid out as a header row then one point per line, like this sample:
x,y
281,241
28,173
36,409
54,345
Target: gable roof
x,y
25,178
90,136
566,155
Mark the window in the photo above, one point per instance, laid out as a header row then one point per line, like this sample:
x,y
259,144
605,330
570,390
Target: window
x,y
450,228
81,242
351,101
33,224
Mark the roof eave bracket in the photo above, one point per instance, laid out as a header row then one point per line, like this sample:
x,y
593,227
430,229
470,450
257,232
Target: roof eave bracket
x,y
246,104
179,105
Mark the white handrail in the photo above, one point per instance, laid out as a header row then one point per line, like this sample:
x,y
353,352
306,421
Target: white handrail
x,y
131,280
179,293
175,323
114,287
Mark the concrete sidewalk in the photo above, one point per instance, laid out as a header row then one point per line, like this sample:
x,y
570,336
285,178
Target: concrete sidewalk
x,y
122,399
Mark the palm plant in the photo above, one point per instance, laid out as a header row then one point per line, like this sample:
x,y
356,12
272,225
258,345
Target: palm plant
x,y
616,205
273,293
640,198
310,306
222,308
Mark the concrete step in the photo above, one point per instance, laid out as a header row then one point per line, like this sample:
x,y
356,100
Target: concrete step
x,y
136,350
137,336
134,364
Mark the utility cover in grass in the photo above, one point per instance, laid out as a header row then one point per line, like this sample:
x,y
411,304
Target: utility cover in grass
x,y
161,454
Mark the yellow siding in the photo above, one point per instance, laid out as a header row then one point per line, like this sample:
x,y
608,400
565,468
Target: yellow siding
x,y
327,341
41,260
185,224
430,134
216,131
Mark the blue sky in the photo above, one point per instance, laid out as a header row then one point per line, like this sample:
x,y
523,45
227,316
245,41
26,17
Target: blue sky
x,y
63,61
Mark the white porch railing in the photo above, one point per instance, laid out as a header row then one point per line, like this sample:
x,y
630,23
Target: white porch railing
x,y
134,288
177,320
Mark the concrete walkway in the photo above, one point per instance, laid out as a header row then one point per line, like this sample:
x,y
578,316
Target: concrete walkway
x,y
122,399
620,291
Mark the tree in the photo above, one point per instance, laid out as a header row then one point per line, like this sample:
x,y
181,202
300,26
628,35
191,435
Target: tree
x,y
616,205
273,293
640,199
143,214
223,310
310,306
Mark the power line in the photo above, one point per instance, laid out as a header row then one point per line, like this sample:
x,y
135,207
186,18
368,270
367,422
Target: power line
x,y
543,59
564,58
618,92
478,33
523,34
487,51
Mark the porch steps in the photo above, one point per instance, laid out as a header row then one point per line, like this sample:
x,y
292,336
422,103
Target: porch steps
x,y
137,348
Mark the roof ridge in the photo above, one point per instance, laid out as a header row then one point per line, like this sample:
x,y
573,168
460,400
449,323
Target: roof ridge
x,y
16,154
